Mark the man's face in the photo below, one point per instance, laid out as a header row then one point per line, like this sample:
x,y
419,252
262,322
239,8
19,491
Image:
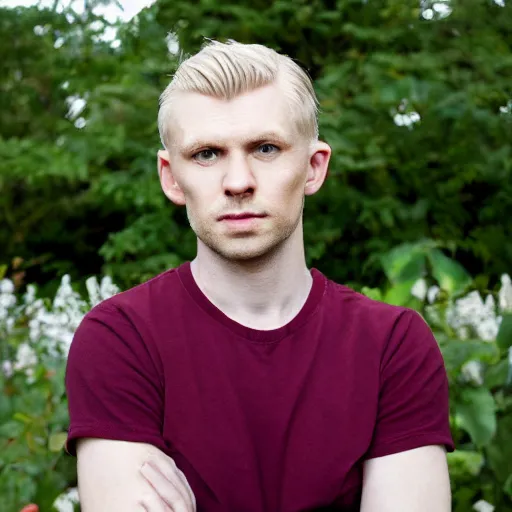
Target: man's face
x,y
241,169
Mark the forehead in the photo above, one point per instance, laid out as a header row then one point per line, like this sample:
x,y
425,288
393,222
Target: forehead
x,y
199,117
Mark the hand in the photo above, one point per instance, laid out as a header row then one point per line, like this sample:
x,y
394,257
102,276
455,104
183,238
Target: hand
x,y
170,484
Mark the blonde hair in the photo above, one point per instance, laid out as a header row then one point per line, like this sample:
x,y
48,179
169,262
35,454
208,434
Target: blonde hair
x,y
227,70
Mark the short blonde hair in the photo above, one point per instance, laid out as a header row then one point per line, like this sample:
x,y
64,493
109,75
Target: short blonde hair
x,y
226,70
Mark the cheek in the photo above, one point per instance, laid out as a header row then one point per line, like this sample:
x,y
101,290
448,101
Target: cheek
x,y
288,187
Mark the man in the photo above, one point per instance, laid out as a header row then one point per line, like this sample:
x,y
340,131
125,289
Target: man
x,y
242,381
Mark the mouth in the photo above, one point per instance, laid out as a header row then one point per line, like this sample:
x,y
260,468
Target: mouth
x,y
241,216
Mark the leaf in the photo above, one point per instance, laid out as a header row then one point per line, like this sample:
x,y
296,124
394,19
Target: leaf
x,y
476,414
450,275
504,338
23,418
11,429
508,485
457,352
57,441
404,263
496,375
499,452
465,463
399,294
372,293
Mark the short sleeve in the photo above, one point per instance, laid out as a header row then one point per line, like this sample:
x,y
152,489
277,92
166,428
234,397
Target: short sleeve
x,y
413,407
113,387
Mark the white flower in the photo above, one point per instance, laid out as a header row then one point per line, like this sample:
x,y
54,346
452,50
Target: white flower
x,y
93,289
108,288
6,286
483,506
473,313
25,357
432,293
472,372
419,289
66,501
30,295
505,294
7,301
7,368
50,325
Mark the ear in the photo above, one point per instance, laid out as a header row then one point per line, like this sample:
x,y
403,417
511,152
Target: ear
x,y
317,168
168,181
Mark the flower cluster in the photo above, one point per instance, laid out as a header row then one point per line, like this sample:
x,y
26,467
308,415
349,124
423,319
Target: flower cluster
x,y
51,326
469,316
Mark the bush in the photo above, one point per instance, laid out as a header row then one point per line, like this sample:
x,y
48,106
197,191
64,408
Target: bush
x,y
33,408
475,337
419,118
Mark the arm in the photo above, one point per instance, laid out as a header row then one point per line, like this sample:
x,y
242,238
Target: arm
x,y
110,478
115,398
412,481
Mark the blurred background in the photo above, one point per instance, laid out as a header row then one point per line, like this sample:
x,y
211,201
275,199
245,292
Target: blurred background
x,y
416,102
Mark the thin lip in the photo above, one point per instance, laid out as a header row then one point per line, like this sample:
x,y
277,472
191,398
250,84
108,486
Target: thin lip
x,y
241,215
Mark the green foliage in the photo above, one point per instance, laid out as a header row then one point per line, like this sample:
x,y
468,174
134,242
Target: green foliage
x,y
402,201
84,199
33,422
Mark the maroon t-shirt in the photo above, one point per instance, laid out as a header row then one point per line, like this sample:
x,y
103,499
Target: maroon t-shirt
x,y
259,421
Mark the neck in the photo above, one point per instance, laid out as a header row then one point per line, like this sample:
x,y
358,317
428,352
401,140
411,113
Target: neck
x,y
264,293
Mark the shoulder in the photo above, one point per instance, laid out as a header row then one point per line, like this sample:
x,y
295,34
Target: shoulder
x,y
358,308
375,324
144,295
127,319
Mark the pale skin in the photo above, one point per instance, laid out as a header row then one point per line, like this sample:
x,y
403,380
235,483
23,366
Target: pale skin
x,y
244,156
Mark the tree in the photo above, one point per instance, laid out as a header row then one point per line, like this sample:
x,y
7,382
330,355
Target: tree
x,y
417,111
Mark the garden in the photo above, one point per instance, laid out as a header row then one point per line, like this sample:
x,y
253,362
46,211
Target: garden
x,y
416,103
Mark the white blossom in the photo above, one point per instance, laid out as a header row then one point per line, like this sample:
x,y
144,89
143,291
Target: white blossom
x,y
483,506
93,289
473,313
505,294
6,286
66,501
472,371
419,289
432,293
51,325
7,368
25,357
406,119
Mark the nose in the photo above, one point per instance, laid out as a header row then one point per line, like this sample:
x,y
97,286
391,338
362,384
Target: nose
x,y
239,179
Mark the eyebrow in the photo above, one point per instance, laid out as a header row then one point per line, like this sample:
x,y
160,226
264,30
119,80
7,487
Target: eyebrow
x,y
247,142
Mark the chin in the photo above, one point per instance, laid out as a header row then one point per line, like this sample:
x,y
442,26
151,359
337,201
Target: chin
x,y
243,250
241,253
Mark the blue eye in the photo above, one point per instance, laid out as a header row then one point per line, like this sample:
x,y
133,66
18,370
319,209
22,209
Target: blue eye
x,y
268,149
207,155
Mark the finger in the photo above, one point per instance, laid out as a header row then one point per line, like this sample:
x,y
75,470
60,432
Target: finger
x,y
151,501
172,492
184,480
170,471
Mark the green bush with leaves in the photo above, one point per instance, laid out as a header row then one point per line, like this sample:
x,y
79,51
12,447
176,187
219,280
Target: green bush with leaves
x,y
417,107
475,337
36,334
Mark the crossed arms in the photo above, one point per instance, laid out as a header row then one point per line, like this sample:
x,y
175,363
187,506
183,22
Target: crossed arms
x,y
111,478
